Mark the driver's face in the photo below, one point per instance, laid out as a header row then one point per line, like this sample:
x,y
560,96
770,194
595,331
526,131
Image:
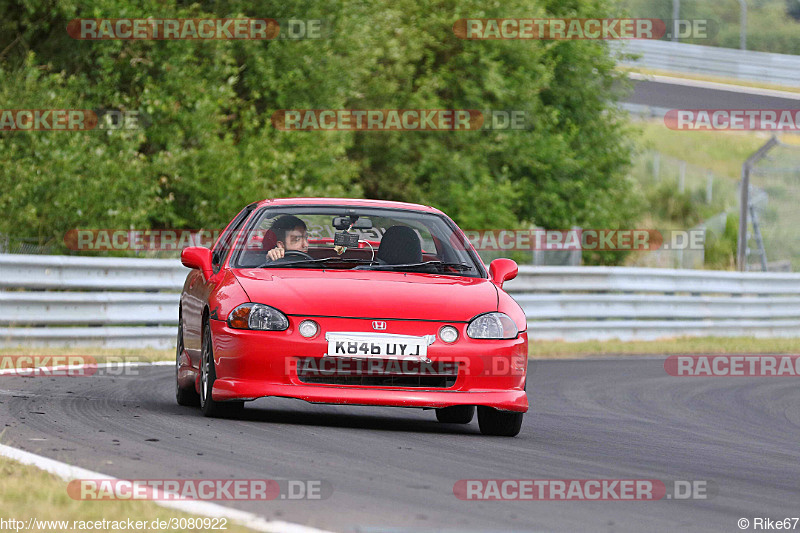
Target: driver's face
x,y
296,239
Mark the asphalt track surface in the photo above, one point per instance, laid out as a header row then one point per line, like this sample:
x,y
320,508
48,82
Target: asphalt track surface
x,y
394,469
674,96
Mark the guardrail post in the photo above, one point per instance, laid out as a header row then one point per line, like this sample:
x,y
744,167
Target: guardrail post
x,y
676,14
744,200
656,166
743,24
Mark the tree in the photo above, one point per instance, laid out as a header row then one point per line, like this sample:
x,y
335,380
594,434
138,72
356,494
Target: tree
x,y
793,9
207,146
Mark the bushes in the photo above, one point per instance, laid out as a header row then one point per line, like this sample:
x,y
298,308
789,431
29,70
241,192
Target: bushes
x,y
720,252
209,148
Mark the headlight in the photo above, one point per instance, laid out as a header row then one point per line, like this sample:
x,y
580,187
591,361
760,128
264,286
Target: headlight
x,y
258,316
448,334
492,326
308,328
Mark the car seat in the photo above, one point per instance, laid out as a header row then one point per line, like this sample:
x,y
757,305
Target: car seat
x,y
400,245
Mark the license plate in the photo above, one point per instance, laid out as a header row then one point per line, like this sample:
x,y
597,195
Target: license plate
x,y
377,345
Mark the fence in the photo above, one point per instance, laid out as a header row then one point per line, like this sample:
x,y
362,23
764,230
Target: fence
x,y
781,69
81,301
679,190
774,193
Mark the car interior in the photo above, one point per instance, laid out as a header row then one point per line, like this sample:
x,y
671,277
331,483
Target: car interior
x,y
399,245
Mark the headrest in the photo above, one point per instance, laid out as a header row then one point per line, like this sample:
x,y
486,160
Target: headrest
x,y
400,245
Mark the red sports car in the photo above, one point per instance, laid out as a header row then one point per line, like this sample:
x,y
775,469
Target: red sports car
x,y
357,302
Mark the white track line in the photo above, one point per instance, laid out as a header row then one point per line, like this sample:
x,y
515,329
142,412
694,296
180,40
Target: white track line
x,y
714,85
69,472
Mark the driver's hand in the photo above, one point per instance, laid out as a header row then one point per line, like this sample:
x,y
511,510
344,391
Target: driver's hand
x,y
275,254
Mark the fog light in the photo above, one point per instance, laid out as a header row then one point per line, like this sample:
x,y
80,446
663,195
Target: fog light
x,y
448,334
308,328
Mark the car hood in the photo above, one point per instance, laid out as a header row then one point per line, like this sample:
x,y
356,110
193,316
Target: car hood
x,y
363,294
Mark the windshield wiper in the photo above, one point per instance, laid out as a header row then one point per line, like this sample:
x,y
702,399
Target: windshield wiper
x,y
334,259
439,265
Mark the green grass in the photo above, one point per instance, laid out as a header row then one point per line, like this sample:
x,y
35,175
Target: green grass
x,y
715,79
28,492
721,152
538,349
681,345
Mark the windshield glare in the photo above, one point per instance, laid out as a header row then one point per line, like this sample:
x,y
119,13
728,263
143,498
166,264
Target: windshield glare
x,y
355,238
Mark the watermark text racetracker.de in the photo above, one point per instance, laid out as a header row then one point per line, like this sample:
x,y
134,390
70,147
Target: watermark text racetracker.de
x,y
400,119
442,365
143,239
638,239
202,29
601,239
733,119
584,489
733,365
173,29
71,119
70,366
199,489
582,28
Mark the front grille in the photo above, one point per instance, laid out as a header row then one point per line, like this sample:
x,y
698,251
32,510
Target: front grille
x,y
377,372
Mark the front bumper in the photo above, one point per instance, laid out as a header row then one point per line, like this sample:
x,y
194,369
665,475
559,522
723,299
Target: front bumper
x,y
255,364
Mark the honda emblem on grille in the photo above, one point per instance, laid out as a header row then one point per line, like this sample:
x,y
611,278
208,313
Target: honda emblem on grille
x,y
379,325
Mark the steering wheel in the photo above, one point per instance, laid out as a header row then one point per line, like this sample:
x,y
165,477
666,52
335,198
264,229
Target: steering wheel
x,y
286,255
296,253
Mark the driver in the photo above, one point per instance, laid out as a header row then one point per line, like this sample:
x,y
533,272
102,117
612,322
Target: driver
x,y
291,234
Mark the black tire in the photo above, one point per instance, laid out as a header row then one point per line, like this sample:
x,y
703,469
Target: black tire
x,y
499,423
457,414
187,396
208,374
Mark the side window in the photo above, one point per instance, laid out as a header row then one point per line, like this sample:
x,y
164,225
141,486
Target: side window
x,y
426,239
228,237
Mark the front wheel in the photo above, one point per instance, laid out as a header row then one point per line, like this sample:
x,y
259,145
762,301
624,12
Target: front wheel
x,y
187,396
499,423
208,375
457,414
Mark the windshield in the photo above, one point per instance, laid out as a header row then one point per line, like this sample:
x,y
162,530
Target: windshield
x,y
326,237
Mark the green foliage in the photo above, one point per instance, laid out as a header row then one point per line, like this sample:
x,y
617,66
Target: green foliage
x,y
793,9
720,250
671,209
208,147
671,205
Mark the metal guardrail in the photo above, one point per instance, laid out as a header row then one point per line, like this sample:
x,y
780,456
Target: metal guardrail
x,y
106,308
781,69
652,280
645,111
89,301
600,303
103,337
106,304
100,273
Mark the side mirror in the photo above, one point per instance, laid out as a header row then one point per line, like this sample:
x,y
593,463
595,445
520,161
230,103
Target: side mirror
x,y
502,270
199,258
